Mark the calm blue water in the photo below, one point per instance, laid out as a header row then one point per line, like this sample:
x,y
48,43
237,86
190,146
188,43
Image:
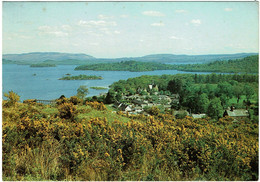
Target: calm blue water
x,y
45,85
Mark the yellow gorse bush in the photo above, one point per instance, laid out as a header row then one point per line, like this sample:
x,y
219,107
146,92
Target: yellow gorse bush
x,y
158,147
96,105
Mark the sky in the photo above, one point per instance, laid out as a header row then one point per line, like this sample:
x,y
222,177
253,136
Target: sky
x,y
130,29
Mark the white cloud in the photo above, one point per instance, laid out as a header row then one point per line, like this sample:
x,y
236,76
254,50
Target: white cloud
x,y
12,36
228,9
44,28
47,30
104,17
124,16
117,32
99,34
175,38
25,37
97,23
153,13
75,44
157,24
196,21
105,30
66,27
59,33
181,11
94,44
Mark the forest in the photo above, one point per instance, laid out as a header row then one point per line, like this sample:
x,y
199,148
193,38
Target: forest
x,y
211,93
245,65
83,141
132,66
43,65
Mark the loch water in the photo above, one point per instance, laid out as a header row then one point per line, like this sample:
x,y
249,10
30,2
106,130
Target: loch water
x,y
43,82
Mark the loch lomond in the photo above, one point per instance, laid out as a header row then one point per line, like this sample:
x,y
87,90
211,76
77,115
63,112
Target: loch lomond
x,y
43,83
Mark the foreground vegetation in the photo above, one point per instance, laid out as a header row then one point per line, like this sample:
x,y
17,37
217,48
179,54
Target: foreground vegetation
x,y
82,77
76,140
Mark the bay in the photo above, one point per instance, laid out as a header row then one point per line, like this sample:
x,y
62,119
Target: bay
x,y
42,83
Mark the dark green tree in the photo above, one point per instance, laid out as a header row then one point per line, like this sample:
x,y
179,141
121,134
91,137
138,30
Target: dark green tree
x,y
248,91
175,85
224,88
238,91
111,97
202,103
215,109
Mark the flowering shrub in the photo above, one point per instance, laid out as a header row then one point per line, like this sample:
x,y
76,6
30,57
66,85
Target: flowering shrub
x,y
75,100
12,99
29,101
97,105
158,147
67,111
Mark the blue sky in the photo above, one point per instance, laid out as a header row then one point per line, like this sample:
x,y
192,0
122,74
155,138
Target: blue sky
x,y
128,29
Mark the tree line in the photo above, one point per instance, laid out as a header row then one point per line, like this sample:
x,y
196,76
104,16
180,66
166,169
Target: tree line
x,y
211,93
245,65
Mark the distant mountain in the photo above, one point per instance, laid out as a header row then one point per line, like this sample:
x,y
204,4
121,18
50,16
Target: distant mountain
x,y
78,59
43,56
171,58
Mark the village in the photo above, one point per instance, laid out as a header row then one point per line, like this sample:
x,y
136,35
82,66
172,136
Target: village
x,y
139,103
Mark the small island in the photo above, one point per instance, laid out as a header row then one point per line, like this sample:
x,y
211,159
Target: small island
x,y
43,65
82,77
99,88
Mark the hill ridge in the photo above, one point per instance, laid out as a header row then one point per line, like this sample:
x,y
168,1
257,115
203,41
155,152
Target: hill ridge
x,y
161,58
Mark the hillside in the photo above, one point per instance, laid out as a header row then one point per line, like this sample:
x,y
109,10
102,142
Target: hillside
x,y
76,141
248,64
42,56
244,65
79,59
171,58
133,66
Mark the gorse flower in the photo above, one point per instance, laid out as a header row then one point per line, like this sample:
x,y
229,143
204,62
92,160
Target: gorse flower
x,y
158,147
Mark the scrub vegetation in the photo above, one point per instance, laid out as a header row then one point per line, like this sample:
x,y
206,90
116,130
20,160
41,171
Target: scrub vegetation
x,y
82,140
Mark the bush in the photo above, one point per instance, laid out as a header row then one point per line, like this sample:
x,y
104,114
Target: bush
x,y
67,111
12,99
75,100
62,100
157,147
153,110
29,101
96,105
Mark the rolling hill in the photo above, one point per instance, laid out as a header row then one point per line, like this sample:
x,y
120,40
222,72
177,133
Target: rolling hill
x,y
43,56
78,59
